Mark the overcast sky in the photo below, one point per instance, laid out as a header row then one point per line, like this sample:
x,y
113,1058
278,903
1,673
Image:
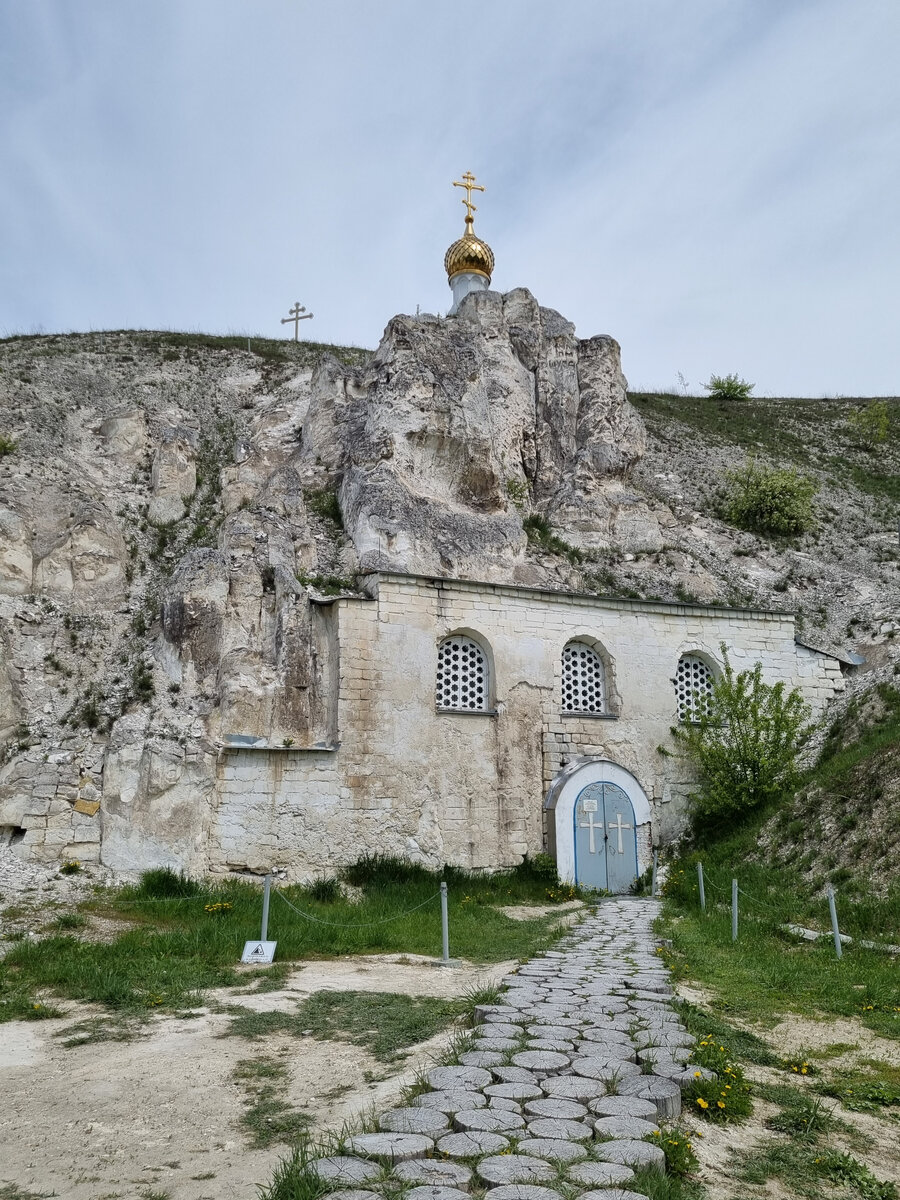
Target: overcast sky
x,y
716,183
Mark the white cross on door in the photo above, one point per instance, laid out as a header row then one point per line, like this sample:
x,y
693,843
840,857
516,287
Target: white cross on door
x,y
619,825
589,825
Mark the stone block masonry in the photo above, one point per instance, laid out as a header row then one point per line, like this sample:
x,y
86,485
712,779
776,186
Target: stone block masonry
x,y
555,1066
409,779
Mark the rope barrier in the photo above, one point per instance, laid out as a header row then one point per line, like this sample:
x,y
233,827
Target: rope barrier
x,y
357,924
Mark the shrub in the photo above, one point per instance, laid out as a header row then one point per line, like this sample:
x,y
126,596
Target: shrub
x,y
870,426
728,387
7,446
71,867
745,741
773,501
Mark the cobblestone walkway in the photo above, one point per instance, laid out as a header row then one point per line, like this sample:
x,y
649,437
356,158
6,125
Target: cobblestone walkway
x,y
555,1092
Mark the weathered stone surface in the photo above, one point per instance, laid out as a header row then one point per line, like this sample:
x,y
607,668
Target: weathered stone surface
x,y
354,1194
514,1091
393,1146
574,1087
414,1120
505,1105
524,1191
433,1172
513,1168
344,1168
511,1074
435,1192
553,1149
470,1145
612,1194
481,1058
665,1094
542,1062
632,1154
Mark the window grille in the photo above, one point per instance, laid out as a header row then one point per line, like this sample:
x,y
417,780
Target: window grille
x,y
693,687
461,675
583,680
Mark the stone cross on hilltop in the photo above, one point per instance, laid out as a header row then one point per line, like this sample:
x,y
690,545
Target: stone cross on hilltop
x,y
296,318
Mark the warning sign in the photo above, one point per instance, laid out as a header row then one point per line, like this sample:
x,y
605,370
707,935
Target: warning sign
x,y
258,952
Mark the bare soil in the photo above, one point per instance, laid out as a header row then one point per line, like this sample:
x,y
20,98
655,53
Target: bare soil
x,y
110,1120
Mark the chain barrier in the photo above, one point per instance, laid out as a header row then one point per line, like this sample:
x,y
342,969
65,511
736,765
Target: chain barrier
x,y
358,924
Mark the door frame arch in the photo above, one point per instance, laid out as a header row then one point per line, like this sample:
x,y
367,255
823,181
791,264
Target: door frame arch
x,y
560,807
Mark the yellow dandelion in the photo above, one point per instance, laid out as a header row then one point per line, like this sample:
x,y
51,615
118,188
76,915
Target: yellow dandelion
x,y
696,1074
721,1103
703,1103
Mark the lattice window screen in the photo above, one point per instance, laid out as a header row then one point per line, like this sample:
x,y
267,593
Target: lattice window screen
x,y
583,680
461,675
693,687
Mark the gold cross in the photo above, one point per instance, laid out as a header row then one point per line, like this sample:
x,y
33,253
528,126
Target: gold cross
x,y
471,186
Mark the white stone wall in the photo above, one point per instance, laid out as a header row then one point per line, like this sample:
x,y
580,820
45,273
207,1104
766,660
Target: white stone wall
x,y
468,789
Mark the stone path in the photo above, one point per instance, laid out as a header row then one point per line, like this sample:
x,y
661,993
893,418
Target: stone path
x,y
574,1067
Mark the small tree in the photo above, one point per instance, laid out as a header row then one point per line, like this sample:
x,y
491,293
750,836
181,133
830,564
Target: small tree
x,y
728,387
772,501
745,741
871,425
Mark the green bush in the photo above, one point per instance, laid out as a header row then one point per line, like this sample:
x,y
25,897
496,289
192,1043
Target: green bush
x,y
772,501
870,426
728,387
745,742
7,446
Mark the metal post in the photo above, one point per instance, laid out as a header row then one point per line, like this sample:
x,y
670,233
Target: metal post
x,y
734,910
834,923
265,917
653,877
445,928
702,889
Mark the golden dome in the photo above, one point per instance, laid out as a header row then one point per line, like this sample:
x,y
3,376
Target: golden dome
x,y
470,255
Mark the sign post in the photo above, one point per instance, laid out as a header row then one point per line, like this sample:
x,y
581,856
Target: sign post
x,y
261,950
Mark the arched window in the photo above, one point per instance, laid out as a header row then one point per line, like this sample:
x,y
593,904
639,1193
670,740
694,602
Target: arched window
x,y
462,675
693,687
583,680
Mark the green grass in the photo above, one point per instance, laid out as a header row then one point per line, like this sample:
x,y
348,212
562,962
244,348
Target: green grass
x,y
267,1118
384,1023
175,948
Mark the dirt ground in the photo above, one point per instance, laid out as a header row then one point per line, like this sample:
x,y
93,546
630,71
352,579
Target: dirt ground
x,y
114,1120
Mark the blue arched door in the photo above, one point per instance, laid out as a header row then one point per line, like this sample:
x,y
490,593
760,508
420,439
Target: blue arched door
x,y
605,838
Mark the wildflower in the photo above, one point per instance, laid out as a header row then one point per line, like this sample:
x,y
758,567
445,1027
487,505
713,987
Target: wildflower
x,y
703,1103
721,1103
696,1074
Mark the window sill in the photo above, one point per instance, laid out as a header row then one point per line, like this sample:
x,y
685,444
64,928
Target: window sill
x,y
466,712
589,716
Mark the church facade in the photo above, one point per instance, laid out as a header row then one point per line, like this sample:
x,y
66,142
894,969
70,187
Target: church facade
x,y
473,723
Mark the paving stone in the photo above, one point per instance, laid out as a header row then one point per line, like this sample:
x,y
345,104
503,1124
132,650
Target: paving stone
x,y
495,1012
600,1174
514,1091
574,1087
496,1043
414,1120
623,1106
616,1128
556,1044
433,1171
554,1149
510,1074
393,1146
665,1094
597,1033
564,1110
498,1030
565,1032
604,1068
504,1104
435,1191
542,1062
524,1191
481,1058
453,1078
513,1168
614,1051
342,1168
552,1127
470,1145
352,1194
491,1120
449,1102
632,1154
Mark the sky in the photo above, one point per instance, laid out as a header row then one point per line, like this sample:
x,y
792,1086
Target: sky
x,y
716,183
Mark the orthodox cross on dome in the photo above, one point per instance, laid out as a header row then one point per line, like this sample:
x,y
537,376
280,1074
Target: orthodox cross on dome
x,y
468,182
296,318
